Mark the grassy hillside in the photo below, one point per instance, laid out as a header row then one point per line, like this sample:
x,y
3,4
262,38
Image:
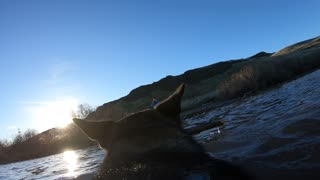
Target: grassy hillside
x,y
224,80
201,82
307,44
268,71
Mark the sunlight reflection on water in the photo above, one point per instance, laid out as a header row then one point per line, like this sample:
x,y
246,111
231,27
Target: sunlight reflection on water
x,y
274,129
71,159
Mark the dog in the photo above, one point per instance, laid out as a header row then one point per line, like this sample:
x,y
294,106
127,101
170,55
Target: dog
x,y
152,145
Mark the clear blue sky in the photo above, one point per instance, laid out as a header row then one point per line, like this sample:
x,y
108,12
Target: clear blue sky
x,y
63,51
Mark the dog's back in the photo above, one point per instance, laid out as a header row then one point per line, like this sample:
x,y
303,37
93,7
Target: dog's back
x,y
151,144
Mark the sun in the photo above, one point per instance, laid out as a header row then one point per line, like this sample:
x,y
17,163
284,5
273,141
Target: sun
x,y
54,113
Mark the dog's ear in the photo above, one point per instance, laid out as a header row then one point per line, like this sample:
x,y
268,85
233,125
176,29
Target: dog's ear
x,y
96,130
172,105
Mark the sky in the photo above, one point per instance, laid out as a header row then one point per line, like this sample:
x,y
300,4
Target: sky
x,y
57,54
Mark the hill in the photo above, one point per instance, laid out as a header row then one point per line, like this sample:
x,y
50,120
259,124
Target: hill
x,y
307,44
223,80
52,141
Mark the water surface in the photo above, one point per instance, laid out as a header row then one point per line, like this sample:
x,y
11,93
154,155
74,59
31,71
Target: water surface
x,y
277,129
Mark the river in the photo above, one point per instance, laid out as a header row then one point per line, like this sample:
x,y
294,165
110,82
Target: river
x,y
275,134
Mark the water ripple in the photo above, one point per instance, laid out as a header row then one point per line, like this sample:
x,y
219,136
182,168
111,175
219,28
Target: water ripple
x,y
276,128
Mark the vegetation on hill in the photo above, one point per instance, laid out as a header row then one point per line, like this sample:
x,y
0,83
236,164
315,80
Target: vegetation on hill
x,y
29,145
303,45
220,81
50,142
259,75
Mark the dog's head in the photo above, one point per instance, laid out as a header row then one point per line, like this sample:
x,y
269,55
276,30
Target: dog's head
x,y
154,136
157,129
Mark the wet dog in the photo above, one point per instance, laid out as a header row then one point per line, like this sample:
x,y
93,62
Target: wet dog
x,y
152,144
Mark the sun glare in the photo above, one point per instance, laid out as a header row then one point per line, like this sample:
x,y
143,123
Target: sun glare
x,y
54,114
71,160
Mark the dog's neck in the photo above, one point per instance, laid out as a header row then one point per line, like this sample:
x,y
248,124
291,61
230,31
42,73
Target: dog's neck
x,y
155,158
170,151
